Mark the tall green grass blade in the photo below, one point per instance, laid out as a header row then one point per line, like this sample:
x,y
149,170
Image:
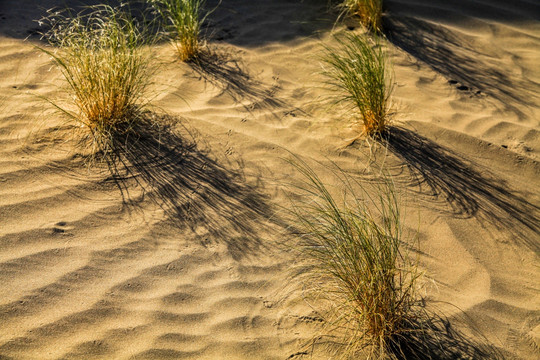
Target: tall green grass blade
x,y
354,251
183,21
358,73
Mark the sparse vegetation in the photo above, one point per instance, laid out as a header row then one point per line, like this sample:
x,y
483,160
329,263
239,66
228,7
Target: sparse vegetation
x,y
357,265
357,70
100,55
369,11
183,20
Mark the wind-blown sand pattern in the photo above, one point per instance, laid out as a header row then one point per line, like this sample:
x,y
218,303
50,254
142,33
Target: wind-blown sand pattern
x,y
186,260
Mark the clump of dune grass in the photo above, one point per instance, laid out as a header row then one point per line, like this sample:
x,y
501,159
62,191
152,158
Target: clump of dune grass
x,y
369,12
183,20
100,55
356,262
357,69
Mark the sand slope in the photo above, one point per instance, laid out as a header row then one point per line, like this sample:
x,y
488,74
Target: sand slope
x,y
186,259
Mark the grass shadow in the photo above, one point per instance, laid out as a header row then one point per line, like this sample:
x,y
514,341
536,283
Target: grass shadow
x,y
432,336
468,191
460,62
258,23
427,335
234,21
227,73
20,19
193,189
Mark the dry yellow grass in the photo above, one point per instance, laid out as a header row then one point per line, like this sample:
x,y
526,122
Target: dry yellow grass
x,y
101,58
369,11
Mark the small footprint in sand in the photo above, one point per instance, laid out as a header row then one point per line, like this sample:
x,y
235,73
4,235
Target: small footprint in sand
x,y
311,319
61,228
297,355
462,87
290,113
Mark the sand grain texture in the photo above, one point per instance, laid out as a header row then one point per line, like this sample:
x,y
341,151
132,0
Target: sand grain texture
x,y
186,259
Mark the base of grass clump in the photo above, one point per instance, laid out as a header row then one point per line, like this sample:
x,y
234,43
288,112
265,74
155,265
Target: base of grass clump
x,y
100,55
187,50
357,72
357,265
369,12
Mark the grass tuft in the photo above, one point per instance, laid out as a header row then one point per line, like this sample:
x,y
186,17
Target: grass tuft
x,y
99,52
183,20
357,70
357,265
369,11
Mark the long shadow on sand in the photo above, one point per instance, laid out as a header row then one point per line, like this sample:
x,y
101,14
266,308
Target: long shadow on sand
x,y
248,23
432,337
19,19
193,189
227,73
468,191
253,23
460,62
426,335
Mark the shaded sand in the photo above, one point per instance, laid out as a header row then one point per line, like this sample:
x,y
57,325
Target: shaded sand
x,y
186,260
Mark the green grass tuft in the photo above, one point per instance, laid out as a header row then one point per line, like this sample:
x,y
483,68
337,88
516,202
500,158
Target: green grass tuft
x,y
183,20
357,70
100,55
357,265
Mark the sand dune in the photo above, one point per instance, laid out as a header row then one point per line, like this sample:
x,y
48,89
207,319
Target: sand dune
x,y
186,260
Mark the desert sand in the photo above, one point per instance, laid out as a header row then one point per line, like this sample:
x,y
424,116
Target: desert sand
x,y
185,256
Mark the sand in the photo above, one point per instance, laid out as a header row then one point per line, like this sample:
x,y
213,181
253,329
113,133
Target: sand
x,y
189,258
